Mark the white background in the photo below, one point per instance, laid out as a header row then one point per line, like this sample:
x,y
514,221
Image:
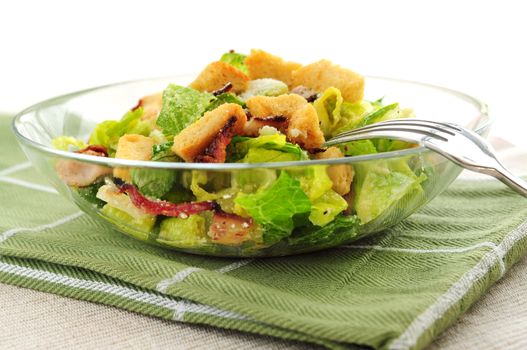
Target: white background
x,y
53,47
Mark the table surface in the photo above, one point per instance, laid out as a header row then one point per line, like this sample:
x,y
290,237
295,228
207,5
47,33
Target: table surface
x,y
32,319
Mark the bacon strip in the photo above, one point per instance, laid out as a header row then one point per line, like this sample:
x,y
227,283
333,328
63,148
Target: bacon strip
x,y
226,88
253,125
230,229
159,207
216,151
94,150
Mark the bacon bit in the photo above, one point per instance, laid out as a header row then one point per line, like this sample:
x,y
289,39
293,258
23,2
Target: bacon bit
x,y
229,229
226,88
307,93
253,125
159,207
216,151
94,150
317,150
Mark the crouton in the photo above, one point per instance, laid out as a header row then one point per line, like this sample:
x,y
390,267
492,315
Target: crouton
x,y
75,173
341,175
323,74
264,65
304,128
217,74
151,105
134,147
266,106
195,138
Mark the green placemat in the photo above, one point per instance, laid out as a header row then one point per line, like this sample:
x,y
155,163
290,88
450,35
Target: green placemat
x,y
395,290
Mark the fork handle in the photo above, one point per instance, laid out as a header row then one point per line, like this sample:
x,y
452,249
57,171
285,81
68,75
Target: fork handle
x,y
511,180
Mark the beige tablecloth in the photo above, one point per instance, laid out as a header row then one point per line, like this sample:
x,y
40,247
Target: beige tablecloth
x,y
31,319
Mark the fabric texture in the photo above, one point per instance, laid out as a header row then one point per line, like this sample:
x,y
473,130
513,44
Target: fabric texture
x,y
394,290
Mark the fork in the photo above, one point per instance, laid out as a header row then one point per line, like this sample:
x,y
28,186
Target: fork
x,y
456,143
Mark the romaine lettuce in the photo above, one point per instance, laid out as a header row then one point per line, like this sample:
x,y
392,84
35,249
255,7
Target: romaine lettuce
x,y
224,98
380,184
257,149
108,132
342,229
185,233
136,227
264,87
237,60
181,107
67,143
276,207
154,183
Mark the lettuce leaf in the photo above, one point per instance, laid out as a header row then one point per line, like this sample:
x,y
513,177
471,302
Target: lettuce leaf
x,y
380,115
181,107
108,132
265,148
380,184
357,148
237,60
342,229
337,115
224,98
276,207
67,143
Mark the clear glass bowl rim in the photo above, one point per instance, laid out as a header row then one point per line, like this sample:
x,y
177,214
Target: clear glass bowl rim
x,y
115,162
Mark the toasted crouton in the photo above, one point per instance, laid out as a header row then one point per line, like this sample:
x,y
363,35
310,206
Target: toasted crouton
x,y
151,105
265,106
134,147
264,65
217,74
323,74
193,140
303,125
304,128
341,175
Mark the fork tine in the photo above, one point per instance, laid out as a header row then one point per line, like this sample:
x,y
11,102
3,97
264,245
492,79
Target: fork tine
x,y
387,127
393,134
433,124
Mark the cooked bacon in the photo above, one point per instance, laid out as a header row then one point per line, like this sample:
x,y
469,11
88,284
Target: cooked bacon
x,y
94,150
307,93
230,229
80,174
226,88
216,151
160,207
253,125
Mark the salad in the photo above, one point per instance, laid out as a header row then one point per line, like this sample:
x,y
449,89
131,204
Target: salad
x,y
255,108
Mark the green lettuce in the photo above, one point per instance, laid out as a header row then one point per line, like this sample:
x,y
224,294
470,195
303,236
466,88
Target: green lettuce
x,y
237,60
387,112
154,183
185,233
224,98
108,132
337,115
378,185
342,229
266,148
67,143
276,207
181,107
136,227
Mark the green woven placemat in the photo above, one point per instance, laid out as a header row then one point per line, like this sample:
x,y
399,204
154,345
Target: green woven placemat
x,y
395,290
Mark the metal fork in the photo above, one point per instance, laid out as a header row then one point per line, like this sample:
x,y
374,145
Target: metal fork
x,y
462,146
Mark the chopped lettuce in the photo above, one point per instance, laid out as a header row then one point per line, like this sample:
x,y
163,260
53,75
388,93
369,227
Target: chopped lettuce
x,y
224,98
136,227
67,143
163,151
387,112
185,233
337,115
154,183
108,132
342,229
380,184
276,207
264,87
181,107
237,60
326,203
265,148
357,148
89,193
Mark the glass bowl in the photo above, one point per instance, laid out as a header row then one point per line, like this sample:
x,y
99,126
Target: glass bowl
x,y
77,114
